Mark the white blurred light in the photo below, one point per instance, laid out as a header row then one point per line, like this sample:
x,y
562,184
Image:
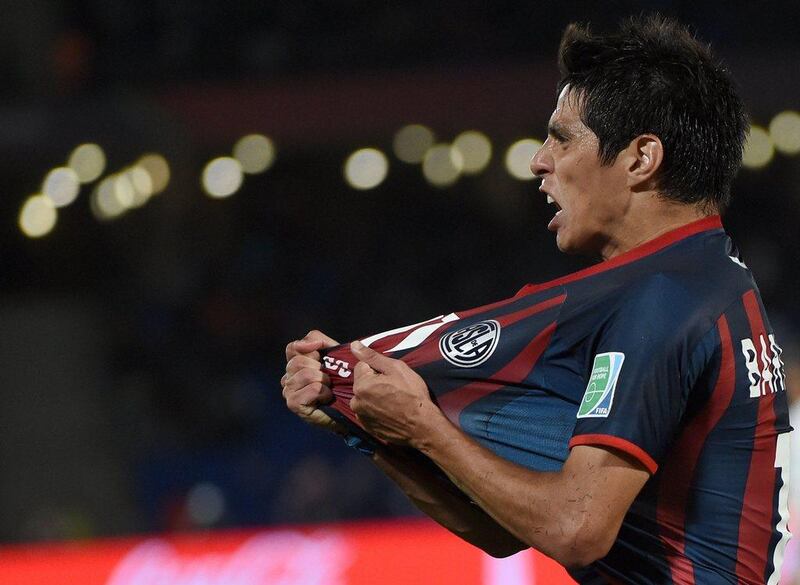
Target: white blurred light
x,y
142,185
366,168
255,152
61,185
222,177
442,165
476,151
412,142
38,216
104,202
518,158
88,161
205,504
785,132
758,148
158,169
124,192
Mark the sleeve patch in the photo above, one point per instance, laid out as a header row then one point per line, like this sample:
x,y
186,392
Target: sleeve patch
x,y
599,394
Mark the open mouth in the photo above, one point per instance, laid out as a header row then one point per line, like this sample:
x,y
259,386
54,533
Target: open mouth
x,y
552,201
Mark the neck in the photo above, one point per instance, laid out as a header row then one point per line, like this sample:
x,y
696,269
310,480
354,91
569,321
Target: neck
x,y
642,223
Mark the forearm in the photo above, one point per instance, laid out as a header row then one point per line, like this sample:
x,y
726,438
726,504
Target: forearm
x,y
540,509
437,497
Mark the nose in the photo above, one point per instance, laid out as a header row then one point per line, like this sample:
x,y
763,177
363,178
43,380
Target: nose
x,y
542,162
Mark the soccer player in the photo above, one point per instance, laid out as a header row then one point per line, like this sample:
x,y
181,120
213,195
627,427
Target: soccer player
x,y
628,420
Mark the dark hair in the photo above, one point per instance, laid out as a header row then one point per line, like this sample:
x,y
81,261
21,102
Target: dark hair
x,y
654,76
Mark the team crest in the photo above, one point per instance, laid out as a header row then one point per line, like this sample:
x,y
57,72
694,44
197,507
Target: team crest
x,y
599,395
472,345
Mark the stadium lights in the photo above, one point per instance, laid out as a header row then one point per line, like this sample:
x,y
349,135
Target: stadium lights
x,y
255,152
222,177
442,165
104,202
758,148
88,161
158,169
518,158
366,168
411,143
475,149
61,185
784,129
38,216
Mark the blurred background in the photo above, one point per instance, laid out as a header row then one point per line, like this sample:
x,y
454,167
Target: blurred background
x,y
188,185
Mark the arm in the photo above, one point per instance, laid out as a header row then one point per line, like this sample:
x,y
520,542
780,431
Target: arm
x,y
445,503
572,515
306,386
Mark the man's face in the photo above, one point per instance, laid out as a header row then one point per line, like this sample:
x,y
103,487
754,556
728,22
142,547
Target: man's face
x,y
591,198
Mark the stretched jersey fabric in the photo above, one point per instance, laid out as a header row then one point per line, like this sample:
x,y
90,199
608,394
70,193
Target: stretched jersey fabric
x,y
664,353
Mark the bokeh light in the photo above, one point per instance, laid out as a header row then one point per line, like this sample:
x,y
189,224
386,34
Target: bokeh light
x,y
104,202
158,169
255,152
412,142
758,148
38,216
518,158
124,192
476,151
366,168
142,184
88,161
222,177
784,130
442,165
61,185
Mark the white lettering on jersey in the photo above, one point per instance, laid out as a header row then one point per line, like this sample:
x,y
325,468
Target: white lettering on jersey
x,y
764,368
416,337
782,462
341,367
738,261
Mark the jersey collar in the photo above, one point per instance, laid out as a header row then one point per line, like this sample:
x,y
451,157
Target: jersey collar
x,y
712,222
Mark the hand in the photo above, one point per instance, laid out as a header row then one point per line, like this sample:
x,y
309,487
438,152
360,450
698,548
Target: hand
x,y
390,399
305,385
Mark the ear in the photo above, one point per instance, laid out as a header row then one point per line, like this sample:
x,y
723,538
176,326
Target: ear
x,y
645,155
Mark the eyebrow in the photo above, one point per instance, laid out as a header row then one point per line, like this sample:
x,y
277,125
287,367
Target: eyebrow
x,y
558,131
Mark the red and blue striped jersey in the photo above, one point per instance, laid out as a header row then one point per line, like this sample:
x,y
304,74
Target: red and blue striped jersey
x,y
664,353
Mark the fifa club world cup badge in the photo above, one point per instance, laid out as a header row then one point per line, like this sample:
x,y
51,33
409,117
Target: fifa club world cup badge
x,y
472,345
599,393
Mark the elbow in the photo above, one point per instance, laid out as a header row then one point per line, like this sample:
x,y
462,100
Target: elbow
x,y
583,554
581,545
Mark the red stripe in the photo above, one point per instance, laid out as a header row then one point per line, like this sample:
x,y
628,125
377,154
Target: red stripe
x,y
429,352
707,223
484,308
756,523
517,369
678,470
619,444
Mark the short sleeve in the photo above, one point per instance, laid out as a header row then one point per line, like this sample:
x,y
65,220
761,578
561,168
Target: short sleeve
x,y
641,372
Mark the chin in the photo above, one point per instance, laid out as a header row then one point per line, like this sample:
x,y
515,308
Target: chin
x,y
570,246
565,245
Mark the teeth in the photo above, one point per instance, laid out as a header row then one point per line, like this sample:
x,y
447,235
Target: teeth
x,y
550,199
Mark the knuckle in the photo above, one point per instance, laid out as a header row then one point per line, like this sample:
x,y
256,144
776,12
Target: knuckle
x,y
306,376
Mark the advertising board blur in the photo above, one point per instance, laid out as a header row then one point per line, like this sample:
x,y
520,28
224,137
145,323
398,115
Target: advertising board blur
x,y
388,553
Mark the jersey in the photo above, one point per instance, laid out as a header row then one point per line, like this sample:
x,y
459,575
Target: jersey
x,y
663,353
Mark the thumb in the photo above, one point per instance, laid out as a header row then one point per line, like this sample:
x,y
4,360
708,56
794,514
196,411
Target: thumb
x,y
377,361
